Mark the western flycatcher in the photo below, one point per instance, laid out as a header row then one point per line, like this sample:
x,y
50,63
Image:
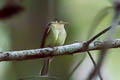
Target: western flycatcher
x,y
54,35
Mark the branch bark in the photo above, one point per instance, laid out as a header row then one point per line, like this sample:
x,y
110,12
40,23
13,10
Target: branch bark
x,y
57,51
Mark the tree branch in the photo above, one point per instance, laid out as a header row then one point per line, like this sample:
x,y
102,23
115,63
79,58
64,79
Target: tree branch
x,y
56,51
110,37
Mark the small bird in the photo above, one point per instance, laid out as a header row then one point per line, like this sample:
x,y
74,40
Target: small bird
x,y
54,35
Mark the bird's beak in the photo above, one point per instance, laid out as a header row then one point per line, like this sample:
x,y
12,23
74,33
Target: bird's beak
x,y
65,23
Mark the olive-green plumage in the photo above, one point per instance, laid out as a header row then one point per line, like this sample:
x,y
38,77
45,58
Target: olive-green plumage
x,y
54,35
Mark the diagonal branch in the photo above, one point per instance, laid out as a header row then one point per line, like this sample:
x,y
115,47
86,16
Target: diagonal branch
x,y
110,37
56,51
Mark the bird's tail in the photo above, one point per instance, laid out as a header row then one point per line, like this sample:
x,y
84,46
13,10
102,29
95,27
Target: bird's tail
x,y
45,68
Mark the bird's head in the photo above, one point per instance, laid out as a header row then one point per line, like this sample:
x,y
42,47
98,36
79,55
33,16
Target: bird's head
x,y
58,23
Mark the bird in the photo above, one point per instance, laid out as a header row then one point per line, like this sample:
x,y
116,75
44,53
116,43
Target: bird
x,y
54,35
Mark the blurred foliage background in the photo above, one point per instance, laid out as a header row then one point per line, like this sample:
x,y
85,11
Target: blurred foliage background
x,y
24,31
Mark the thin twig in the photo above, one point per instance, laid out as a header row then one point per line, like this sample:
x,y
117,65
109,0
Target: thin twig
x,y
98,35
94,63
86,45
110,37
97,69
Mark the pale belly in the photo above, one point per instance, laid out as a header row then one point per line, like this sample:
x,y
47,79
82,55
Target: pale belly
x,y
55,38
61,38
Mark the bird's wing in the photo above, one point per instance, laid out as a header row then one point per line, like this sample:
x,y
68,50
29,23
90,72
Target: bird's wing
x,y
46,32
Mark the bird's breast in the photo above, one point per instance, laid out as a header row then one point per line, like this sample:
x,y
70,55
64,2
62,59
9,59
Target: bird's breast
x,y
56,37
